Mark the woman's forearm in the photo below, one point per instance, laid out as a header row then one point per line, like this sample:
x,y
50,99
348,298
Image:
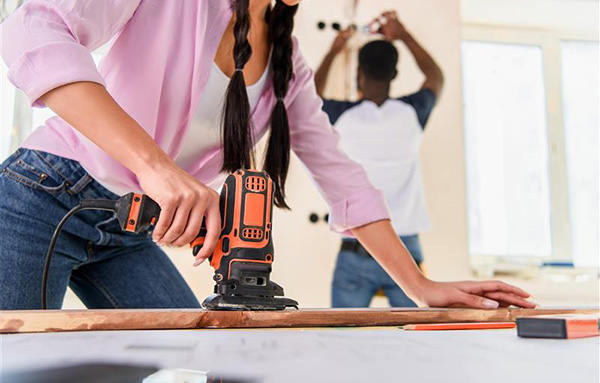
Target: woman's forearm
x,y
90,109
185,203
380,239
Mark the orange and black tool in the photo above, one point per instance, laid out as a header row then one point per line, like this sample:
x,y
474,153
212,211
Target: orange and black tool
x,y
244,254
136,212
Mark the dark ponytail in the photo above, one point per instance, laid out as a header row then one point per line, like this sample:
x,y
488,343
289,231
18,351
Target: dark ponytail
x,y
237,133
277,159
236,130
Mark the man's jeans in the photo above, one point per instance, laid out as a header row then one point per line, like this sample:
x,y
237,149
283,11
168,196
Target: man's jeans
x,y
358,277
104,266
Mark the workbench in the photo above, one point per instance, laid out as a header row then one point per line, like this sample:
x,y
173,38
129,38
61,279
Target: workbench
x,y
334,354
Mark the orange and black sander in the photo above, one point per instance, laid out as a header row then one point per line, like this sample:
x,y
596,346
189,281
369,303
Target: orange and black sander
x,y
243,256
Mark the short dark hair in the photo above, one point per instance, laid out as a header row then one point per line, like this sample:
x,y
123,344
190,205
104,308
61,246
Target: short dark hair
x,y
378,59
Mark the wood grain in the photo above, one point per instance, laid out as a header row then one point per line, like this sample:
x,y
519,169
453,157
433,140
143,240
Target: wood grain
x,y
87,320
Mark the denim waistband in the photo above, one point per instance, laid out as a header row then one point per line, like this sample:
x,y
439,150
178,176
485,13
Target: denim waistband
x,y
68,183
66,170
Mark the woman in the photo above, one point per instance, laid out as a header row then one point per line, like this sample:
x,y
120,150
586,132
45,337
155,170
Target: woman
x,y
148,120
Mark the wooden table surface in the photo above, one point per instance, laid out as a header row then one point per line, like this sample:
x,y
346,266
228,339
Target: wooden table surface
x,y
86,320
317,355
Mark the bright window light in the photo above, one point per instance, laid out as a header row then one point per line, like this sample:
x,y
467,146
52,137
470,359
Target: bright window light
x,y
506,150
580,86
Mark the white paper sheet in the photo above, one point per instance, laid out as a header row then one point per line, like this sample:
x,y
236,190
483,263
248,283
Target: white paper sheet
x,y
322,355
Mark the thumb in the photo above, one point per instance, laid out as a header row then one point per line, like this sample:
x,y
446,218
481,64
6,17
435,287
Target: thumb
x,y
478,302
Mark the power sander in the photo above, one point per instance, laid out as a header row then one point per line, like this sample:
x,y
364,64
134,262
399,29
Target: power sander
x,y
243,256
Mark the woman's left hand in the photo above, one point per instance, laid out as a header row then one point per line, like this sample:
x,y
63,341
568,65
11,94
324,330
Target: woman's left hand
x,y
482,295
381,240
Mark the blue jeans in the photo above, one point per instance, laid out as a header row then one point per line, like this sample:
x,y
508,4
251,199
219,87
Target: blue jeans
x,y
357,278
104,266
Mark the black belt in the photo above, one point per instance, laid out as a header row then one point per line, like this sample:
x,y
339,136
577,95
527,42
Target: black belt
x,y
355,247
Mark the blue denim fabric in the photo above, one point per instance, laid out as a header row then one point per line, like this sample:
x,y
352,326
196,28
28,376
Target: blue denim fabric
x,y
357,278
104,266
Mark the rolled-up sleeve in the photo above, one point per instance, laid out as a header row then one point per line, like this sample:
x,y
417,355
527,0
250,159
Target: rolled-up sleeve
x,y
344,184
48,43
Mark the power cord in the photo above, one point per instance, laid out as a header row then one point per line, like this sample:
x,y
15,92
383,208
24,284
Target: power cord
x,y
107,205
135,213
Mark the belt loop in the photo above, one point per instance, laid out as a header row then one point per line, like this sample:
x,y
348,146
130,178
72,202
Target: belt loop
x,y
79,185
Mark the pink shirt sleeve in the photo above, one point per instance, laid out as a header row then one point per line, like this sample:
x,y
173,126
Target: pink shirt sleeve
x,y
48,43
344,184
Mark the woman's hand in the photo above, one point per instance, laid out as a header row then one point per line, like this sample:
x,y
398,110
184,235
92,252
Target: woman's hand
x,y
482,295
184,204
380,239
184,201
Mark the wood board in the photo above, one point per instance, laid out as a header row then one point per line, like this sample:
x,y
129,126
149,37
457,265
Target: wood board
x,y
92,320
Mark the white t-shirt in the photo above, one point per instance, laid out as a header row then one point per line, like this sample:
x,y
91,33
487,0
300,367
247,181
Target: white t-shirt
x,y
386,141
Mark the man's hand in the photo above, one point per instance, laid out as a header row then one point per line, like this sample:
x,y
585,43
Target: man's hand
x,y
340,41
391,28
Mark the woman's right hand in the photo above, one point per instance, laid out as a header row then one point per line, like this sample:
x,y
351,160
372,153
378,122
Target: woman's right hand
x,y
184,204
184,201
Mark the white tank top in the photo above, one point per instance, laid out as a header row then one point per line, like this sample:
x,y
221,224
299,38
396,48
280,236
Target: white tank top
x,y
204,132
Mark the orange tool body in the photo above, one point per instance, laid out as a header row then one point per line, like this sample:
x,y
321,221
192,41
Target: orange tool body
x,y
244,253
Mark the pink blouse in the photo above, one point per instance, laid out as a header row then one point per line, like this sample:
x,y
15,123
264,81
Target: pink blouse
x,y
156,69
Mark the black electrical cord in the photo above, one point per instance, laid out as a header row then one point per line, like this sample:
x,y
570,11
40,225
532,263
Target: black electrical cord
x,y
100,204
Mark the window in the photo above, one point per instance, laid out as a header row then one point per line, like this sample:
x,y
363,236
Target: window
x,y
531,146
506,150
580,84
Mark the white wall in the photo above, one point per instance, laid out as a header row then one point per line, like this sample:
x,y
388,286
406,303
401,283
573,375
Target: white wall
x,y
572,15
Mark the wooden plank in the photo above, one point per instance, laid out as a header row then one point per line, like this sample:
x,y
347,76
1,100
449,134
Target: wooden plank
x,y
85,320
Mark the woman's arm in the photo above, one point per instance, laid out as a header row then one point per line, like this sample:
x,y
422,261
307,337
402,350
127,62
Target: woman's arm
x,y
183,200
47,45
380,239
360,209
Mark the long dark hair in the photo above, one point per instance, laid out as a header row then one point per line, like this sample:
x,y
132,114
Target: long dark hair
x,y
238,141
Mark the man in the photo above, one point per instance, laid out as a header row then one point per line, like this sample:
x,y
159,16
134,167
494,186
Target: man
x,y
384,135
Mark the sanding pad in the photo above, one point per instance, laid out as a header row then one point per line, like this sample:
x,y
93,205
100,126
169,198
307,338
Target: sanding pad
x,y
239,303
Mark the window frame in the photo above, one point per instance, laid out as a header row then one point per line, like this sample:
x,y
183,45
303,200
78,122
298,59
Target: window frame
x,y
549,42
